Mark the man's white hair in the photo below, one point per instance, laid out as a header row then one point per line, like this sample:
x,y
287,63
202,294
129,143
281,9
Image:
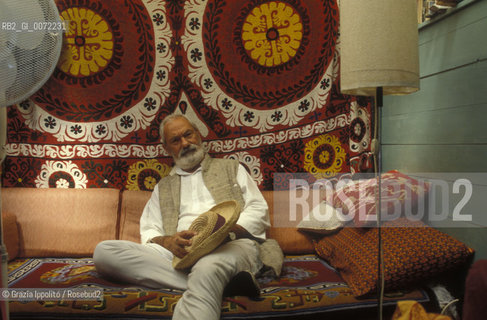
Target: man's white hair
x,y
169,118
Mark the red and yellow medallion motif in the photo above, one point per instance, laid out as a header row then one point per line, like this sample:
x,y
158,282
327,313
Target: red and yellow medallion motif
x,y
272,33
324,156
89,43
145,174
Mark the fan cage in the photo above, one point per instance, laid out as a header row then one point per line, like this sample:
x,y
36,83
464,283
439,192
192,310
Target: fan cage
x,y
33,65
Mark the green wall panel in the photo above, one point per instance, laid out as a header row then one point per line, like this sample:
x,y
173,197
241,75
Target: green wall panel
x,y
443,127
435,158
460,87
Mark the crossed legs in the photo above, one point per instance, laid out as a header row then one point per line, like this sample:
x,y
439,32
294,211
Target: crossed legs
x,y
147,266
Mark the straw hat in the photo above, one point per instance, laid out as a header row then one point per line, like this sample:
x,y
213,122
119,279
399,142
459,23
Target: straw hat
x,y
212,228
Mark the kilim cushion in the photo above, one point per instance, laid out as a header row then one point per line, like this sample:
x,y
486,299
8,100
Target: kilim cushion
x,y
412,252
399,193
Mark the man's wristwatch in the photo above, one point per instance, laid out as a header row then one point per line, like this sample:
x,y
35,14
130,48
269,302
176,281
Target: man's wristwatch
x,y
232,236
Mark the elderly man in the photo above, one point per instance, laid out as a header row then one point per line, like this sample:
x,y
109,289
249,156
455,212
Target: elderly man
x,y
196,183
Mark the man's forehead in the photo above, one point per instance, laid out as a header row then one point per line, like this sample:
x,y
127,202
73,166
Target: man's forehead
x,y
177,125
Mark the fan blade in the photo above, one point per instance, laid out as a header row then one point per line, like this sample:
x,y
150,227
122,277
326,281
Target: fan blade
x,y
9,73
29,53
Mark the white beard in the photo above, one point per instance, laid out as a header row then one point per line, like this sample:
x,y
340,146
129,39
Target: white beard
x,y
190,157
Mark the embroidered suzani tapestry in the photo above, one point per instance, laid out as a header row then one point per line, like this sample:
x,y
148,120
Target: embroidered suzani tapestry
x,y
260,79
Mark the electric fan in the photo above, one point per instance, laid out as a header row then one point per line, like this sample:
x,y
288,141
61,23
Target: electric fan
x,y
31,33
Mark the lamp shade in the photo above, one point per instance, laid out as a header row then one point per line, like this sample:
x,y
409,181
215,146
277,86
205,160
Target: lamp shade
x,y
378,47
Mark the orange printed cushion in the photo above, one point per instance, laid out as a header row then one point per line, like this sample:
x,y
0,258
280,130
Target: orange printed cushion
x,y
283,230
399,193
133,203
11,234
58,222
412,252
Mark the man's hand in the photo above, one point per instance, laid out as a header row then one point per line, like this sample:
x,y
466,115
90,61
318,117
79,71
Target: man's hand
x,y
176,243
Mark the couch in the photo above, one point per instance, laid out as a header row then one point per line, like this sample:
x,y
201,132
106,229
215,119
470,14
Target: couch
x,y
50,236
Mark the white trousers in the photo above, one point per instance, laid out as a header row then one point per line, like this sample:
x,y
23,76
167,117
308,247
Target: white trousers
x,y
149,266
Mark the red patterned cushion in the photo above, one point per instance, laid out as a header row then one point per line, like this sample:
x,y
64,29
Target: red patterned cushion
x,y
412,252
400,193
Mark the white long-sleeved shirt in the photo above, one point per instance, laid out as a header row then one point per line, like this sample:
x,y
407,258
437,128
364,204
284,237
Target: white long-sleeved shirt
x,y
196,199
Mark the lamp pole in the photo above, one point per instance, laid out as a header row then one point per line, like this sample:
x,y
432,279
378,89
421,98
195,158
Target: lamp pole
x,y
378,56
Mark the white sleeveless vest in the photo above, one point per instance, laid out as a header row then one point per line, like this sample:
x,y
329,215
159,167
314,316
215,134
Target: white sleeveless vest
x,y
220,177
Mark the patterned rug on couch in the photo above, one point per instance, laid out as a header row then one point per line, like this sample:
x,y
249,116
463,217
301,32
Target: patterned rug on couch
x,y
307,285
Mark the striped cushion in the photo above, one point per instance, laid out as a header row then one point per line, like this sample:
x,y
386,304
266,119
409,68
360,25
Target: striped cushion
x,y
401,195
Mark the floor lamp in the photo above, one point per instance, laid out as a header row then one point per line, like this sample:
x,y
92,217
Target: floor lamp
x,y
378,56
